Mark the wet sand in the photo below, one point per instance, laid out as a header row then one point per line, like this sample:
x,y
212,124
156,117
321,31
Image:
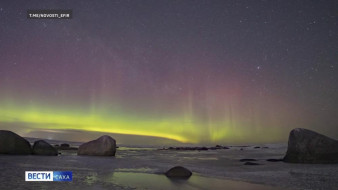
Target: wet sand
x,y
157,181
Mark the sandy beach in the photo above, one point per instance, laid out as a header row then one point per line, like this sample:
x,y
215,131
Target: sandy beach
x,y
143,168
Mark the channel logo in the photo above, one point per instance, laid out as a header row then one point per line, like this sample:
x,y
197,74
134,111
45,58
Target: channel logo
x,y
48,176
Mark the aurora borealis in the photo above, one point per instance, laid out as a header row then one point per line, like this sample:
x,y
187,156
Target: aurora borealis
x,y
192,71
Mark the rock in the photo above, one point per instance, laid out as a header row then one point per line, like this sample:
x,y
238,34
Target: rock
x,y
202,148
218,147
274,160
178,172
11,143
64,145
306,146
103,146
190,148
247,160
251,163
41,147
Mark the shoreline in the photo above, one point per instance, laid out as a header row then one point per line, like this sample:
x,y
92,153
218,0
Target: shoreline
x,y
223,164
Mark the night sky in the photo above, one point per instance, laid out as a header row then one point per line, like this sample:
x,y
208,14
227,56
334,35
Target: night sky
x,y
192,71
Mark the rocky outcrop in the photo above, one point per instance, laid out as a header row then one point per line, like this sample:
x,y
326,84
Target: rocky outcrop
x,y
178,172
41,147
11,143
103,146
306,146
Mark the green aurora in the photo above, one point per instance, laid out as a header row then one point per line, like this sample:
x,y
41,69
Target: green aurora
x,y
184,129
202,72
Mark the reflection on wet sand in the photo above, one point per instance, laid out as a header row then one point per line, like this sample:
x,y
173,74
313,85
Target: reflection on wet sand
x,y
157,181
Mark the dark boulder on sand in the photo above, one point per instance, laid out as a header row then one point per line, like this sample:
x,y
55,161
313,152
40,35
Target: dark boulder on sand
x,y
64,145
218,147
251,163
247,160
202,148
41,147
178,172
306,146
103,146
11,143
274,160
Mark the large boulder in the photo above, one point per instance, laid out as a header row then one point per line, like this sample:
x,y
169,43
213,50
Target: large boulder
x,y
178,172
11,143
103,146
41,147
307,146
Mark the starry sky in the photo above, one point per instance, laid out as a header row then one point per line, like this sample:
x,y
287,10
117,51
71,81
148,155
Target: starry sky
x,y
202,71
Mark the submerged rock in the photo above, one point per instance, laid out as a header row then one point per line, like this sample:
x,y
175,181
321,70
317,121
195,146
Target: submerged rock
x,y
11,143
41,147
178,172
103,146
306,146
